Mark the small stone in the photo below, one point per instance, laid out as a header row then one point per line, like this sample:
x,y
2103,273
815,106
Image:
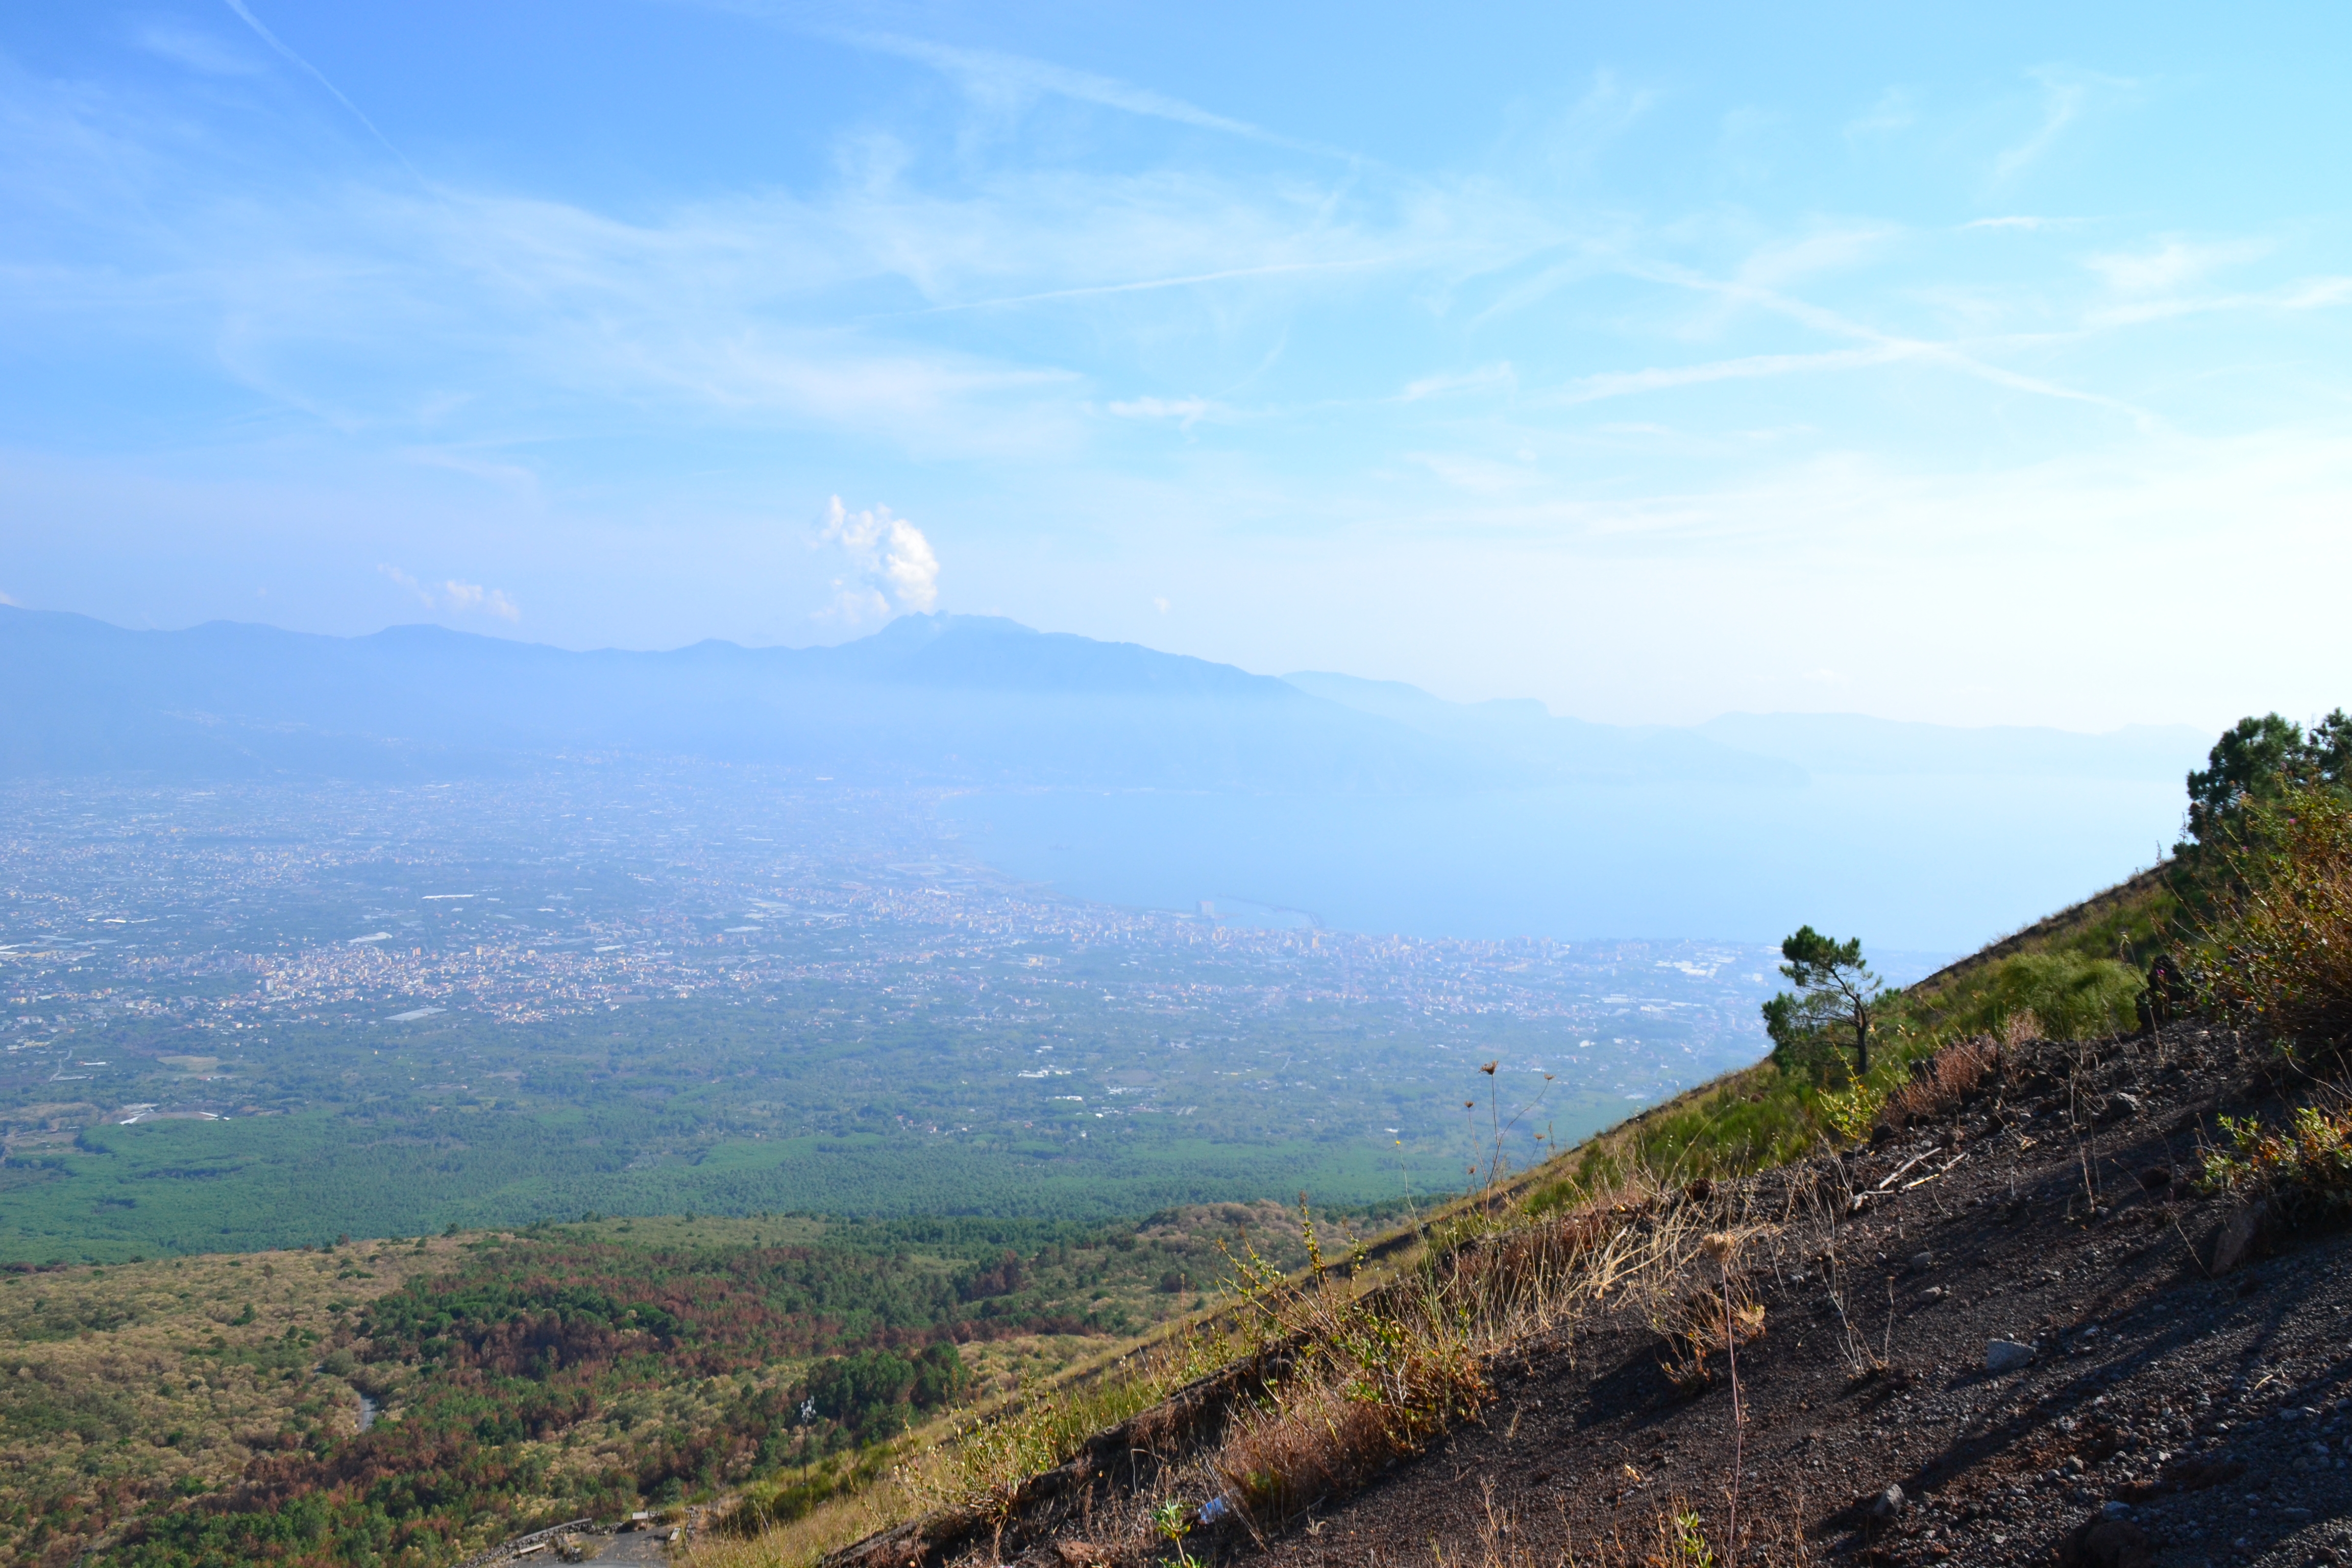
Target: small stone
x,y
2007,1355
2115,1510
2156,1178
1887,1504
1922,1261
2235,1237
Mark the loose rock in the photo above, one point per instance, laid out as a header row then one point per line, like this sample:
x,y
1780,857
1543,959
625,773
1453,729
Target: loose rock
x,y
2007,1355
2235,1238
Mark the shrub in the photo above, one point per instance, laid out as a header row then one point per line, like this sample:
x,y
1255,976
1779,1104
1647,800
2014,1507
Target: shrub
x,y
873,1394
2306,1167
2072,996
2278,950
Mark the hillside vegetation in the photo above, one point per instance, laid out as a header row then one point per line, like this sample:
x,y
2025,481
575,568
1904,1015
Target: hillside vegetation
x,y
207,1410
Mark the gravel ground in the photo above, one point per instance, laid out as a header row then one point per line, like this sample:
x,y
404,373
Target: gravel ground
x,y
2166,1415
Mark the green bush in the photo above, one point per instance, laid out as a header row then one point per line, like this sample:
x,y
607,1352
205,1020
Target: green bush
x,y
2074,997
2071,994
2277,954
875,1394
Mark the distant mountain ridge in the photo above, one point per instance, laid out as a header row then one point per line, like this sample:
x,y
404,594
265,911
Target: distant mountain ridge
x,y
928,698
940,699
1851,744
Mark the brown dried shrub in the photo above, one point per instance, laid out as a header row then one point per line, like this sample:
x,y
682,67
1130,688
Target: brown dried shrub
x,y
1945,1079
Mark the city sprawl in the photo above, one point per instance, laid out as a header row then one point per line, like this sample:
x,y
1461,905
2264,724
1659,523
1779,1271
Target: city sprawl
x,y
379,1009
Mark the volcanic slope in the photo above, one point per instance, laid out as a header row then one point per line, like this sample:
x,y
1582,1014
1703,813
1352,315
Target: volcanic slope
x,y
2180,1396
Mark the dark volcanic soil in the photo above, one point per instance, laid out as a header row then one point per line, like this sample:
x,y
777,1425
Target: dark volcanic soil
x,y
2173,1411
2206,1414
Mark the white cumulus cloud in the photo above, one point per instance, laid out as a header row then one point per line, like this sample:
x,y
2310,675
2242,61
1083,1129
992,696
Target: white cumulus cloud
x,y
892,568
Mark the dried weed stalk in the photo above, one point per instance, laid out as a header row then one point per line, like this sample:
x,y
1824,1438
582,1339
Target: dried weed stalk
x,y
1678,1536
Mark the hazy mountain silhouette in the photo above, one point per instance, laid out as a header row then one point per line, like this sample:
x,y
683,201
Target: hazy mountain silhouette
x,y
941,699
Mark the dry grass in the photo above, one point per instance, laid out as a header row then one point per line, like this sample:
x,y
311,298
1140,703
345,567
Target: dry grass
x,y
841,1521
1711,1315
1379,1374
1350,1369
1371,1377
1940,1082
1677,1536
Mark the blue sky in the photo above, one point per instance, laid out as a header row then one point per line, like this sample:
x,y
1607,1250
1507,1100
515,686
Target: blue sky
x,y
1971,364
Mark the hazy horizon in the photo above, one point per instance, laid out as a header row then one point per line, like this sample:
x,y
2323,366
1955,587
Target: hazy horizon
x,y
855,634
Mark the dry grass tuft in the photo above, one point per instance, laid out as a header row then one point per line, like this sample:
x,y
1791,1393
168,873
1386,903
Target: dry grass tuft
x,y
1677,1536
1372,1378
1942,1081
1360,1380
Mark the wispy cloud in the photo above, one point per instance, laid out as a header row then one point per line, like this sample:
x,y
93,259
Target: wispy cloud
x,y
2061,102
1878,347
2065,94
455,597
1750,367
2172,263
198,51
1894,111
1186,412
1148,285
408,584
1498,377
1609,107
1004,82
2304,294
473,596
246,15
1780,262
